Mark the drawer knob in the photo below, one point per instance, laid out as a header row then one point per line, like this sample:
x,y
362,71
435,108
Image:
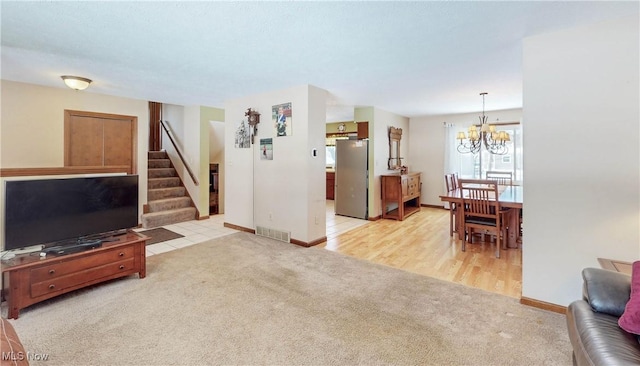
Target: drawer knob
x,y
122,266
52,271
121,254
51,287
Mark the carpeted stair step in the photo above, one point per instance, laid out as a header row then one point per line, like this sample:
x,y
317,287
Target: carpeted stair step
x,y
159,163
162,172
155,219
157,155
167,198
169,204
168,182
161,193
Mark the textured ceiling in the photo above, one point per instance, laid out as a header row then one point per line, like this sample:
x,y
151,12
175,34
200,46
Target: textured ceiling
x,y
409,58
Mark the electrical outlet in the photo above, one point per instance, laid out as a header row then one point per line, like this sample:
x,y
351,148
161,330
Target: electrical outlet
x,y
316,220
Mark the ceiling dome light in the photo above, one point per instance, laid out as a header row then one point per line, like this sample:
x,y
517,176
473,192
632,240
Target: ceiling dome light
x,y
76,82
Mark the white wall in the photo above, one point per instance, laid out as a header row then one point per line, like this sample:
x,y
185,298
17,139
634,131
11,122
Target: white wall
x,y
427,141
32,125
317,193
381,122
212,151
216,156
197,155
288,192
581,133
216,141
191,135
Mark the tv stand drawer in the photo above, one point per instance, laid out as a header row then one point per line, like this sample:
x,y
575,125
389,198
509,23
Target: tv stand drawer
x,y
68,266
80,277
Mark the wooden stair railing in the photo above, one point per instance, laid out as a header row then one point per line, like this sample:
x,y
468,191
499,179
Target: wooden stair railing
x,y
175,146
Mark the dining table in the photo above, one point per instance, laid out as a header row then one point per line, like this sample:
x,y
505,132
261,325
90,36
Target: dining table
x,y
509,197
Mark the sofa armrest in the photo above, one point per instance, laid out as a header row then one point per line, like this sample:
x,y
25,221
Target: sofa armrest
x,y
12,350
597,339
606,291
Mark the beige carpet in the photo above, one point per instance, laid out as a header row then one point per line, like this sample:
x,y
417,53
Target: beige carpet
x,y
243,299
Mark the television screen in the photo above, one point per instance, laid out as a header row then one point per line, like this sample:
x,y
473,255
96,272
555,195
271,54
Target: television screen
x,y
51,210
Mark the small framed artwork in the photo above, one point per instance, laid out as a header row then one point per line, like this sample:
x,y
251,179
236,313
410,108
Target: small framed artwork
x,y
242,136
266,149
282,121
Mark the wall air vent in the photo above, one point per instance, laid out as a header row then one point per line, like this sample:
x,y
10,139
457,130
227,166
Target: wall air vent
x,y
284,236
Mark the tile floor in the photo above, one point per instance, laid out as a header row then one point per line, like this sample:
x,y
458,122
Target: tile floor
x,y
337,224
198,231
194,231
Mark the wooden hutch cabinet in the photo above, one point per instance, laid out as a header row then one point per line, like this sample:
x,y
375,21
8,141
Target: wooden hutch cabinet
x,y
400,195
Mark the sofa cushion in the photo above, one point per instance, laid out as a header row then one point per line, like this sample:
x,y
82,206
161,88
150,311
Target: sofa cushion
x,y
606,291
597,339
630,319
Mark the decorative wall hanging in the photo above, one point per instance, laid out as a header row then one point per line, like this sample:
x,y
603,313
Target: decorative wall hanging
x,y
242,136
282,121
395,135
266,149
254,119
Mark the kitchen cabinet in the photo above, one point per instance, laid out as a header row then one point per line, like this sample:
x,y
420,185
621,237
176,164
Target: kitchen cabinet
x,y
331,185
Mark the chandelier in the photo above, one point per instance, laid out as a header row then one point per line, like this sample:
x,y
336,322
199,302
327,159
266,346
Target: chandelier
x,y
484,134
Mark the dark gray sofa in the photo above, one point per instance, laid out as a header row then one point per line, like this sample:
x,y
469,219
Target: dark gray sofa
x,y
593,321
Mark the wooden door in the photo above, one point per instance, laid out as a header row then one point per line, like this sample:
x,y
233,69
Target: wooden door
x,y
84,137
118,142
100,140
155,130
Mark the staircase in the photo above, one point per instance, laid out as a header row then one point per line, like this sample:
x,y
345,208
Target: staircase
x,y
167,197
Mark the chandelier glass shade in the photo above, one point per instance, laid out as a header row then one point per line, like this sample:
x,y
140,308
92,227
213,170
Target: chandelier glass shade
x,y
485,135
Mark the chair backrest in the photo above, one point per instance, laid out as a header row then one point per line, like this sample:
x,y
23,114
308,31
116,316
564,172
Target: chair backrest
x,y
451,180
480,198
504,178
447,181
454,180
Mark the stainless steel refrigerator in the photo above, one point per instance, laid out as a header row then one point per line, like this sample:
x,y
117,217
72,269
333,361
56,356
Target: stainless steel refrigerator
x,y
352,178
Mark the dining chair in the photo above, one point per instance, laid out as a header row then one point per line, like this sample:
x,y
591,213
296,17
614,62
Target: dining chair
x,y
451,180
504,178
480,211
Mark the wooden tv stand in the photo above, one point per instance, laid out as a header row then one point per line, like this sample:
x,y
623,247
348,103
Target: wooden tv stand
x,y
29,278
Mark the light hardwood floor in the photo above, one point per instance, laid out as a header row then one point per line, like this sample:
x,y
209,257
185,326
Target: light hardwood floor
x,y
421,244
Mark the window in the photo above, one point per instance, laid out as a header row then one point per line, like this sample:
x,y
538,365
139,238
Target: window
x,y
331,156
475,165
330,143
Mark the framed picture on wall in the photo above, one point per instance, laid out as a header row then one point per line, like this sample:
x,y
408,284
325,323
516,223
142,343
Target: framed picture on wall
x,y
266,149
282,121
242,136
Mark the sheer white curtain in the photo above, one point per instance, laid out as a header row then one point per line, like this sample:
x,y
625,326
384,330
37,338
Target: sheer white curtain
x,y
452,158
452,161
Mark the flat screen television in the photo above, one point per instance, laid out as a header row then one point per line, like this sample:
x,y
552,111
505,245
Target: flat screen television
x,y
46,211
